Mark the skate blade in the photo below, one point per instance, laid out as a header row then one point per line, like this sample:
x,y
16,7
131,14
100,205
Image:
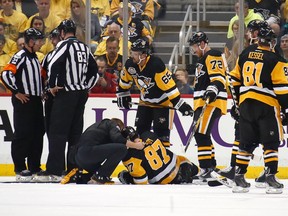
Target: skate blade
x,y
221,179
271,190
260,184
238,189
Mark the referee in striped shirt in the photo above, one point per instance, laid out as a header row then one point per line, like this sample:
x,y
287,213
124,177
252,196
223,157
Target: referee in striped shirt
x,y
22,75
73,71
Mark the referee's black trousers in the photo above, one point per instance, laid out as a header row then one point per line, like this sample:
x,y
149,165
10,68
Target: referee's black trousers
x,y
66,125
28,134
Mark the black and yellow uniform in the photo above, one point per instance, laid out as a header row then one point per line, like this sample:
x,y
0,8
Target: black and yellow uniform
x,y
157,87
114,66
209,71
136,28
144,9
155,164
23,75
260,81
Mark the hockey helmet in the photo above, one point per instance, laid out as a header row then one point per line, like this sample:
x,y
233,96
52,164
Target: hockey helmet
x,y
54,33
67,25
32,34
141,45
198,37
266,35
129,133
256,25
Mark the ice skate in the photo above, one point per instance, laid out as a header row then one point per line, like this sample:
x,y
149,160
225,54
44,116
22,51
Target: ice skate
x,y
260,182
225,176
273,186
24,176
240,184
44,176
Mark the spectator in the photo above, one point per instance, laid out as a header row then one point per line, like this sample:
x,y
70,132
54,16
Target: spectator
x,y
169,168
143,10
136,28
113,59
78,16
51,21
101,8
4,59
37,22
182,81
10,46
28,7
15,21
269,10
73,72
59,8
113,30
284,46
23,78
100,149
248,16
107,82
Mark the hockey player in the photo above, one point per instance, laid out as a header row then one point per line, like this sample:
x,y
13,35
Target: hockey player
x,y
211,85
260,82
154,164
156,86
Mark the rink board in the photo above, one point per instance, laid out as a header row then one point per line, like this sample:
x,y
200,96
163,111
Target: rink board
x,y
98,108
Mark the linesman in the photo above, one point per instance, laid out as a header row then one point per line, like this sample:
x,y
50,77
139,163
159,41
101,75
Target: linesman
x,y
22,76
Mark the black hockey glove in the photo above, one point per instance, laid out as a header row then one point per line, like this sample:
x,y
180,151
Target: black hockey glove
x,y
211,93
186,109
125,177
234,112
123,100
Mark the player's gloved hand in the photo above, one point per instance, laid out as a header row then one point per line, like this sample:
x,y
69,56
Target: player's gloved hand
x,y
186,109
123,100
234,112
129,133
125,177
211,93
284,117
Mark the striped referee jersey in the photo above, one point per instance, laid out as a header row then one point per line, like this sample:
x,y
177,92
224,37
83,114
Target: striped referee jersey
x,y
72,66
23,74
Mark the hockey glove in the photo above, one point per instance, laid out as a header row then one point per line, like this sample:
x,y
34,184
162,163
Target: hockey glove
x,y
129,133
186,109
123,100
125,177
234,112
211,93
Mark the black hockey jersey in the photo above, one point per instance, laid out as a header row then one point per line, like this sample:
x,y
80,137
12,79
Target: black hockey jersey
x,y
261,75
210,70
154,81
154,164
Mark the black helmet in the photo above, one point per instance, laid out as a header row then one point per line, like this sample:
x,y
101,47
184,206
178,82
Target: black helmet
x,y
141,45
266,35
54,33
67,25
129,133
256,25
32,34
198,37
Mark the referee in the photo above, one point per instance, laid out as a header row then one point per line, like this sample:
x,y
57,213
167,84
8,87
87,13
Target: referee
x,y
73,71
22,75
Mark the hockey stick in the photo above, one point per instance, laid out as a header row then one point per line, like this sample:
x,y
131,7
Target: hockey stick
x,y
232,90
148,105
195,124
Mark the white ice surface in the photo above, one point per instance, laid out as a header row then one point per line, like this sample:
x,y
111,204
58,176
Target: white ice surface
x,y
149,200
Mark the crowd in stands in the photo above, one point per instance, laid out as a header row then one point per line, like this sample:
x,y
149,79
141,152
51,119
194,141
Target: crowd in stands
x,y
106,27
